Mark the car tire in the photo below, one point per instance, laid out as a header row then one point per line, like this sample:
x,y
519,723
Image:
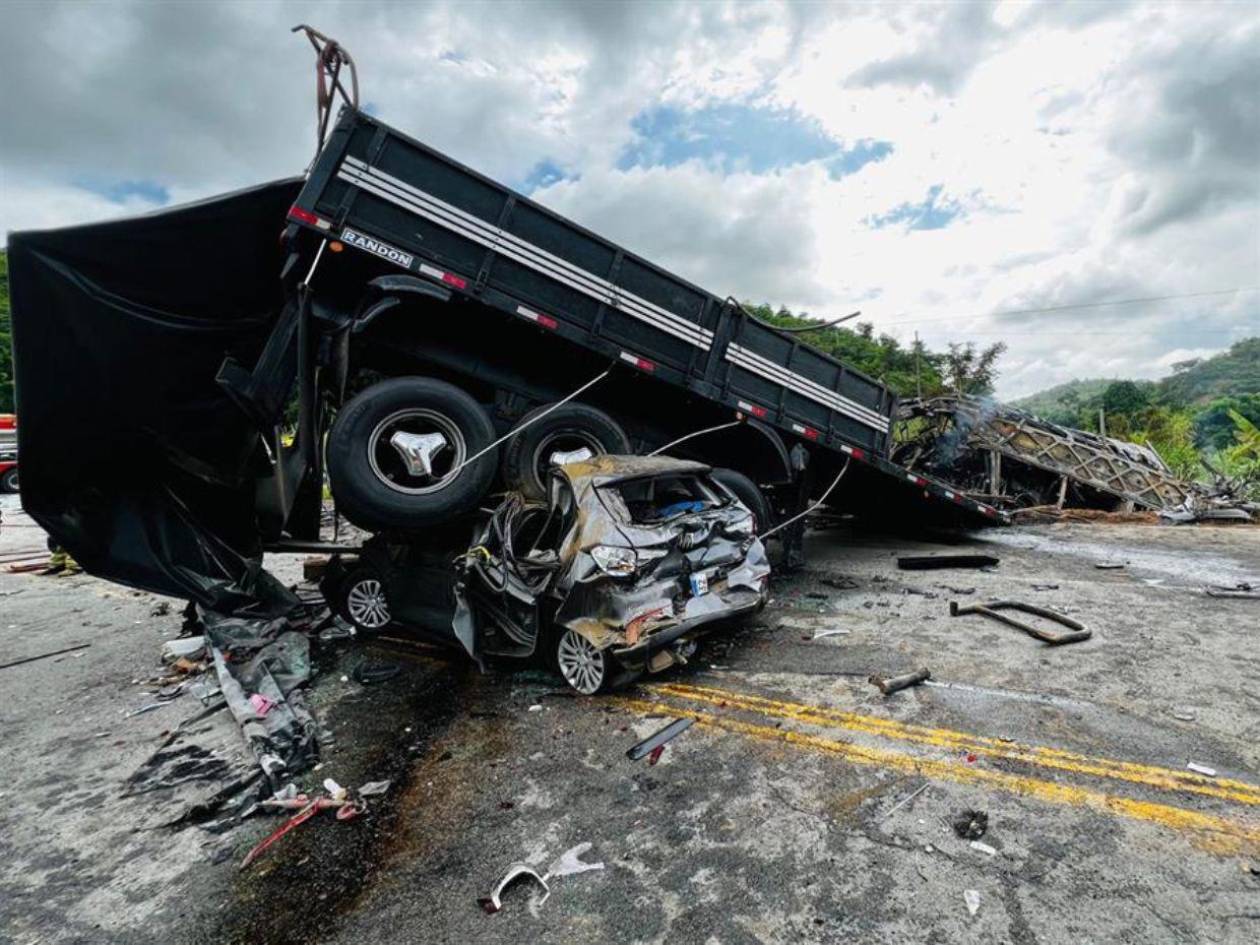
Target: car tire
x,y
586,668
378,488
363,602
568,427
9,481
747,492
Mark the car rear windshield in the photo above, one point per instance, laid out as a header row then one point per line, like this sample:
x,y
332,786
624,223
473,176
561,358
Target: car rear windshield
x,y
659,498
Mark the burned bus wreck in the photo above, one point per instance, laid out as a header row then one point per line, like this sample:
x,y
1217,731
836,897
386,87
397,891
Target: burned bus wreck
x,y
1010,458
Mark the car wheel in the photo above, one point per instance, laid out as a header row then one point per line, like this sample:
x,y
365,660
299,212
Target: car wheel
x,y
583,665
396,454
747,492
568,428
363,601
9,481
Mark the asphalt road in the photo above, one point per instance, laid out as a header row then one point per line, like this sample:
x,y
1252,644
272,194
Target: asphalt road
x,y
803,805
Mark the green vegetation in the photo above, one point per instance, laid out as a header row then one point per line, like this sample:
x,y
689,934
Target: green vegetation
x,y
908,371
1201,418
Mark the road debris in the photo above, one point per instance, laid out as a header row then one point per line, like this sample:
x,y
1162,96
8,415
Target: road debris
x,y
907,799
44,656
570,863
1201,769
1077,631
1240,591
822,634
983,847
1183,715
895,683
970,824
373,788
1110,565
937,562
493,902
972,898
370,673
659,739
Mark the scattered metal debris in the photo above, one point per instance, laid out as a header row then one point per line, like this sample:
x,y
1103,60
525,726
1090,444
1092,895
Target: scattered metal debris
x,y
907,799
937,562
1077,631
306,809
1201,769
1110,565
970,824
44,656
983,847
822,634
1240,591
659,739
493,902
896,683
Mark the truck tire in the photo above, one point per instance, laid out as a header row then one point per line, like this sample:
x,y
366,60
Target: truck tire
x,y
380,482
747,492
569,427
9,481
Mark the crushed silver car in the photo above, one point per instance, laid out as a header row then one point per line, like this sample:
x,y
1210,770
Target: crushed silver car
x,y
625,564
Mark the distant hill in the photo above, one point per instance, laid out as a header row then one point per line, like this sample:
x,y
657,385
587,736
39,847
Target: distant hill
x,y
1058,404
1231,373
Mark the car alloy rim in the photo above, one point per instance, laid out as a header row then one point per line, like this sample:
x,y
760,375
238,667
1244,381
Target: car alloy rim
x,y
581,663
389,461
366,604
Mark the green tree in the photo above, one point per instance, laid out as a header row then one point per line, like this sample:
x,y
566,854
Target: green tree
x,y
1124,398
972,371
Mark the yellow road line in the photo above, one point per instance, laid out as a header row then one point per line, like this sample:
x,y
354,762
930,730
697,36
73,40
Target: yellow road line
x,y
1219,834
1168,779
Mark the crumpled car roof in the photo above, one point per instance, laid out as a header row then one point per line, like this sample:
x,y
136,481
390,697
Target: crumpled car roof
x,y
601,470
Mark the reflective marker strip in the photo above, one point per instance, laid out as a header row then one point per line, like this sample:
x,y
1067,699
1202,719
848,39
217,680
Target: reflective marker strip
x,y
753,409
784,378
479,231
643,364
803,385
808,432
545,320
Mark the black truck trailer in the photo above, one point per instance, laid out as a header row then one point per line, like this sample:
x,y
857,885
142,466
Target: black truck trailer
x,y
432,333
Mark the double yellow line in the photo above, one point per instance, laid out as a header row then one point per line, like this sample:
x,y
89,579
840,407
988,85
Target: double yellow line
x,y
1220,834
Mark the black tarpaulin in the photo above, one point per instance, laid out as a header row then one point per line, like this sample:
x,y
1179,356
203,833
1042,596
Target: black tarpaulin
x,y
133,458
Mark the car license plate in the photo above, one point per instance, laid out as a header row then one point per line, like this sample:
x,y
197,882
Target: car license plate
x,y
699,584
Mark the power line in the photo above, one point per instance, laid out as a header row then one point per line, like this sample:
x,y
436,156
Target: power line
x,y
1068,308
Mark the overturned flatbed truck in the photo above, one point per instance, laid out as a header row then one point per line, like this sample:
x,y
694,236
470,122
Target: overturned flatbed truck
x,y
420,313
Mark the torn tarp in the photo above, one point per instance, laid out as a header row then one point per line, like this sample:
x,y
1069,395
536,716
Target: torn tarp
x,y
255,657
134,459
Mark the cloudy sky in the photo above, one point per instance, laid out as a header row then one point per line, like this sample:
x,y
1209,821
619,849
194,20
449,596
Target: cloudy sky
x,y
942,168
